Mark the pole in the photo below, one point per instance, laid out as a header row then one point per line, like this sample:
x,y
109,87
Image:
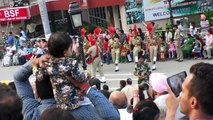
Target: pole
x,y
44,18
81,42
171,14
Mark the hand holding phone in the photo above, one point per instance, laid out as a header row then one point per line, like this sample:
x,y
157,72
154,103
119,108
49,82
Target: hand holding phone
x,y
175,82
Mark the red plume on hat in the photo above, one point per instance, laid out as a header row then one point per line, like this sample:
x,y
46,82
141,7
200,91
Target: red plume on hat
x,y
91,40
97,31
82,32
135,29
150,28
111,30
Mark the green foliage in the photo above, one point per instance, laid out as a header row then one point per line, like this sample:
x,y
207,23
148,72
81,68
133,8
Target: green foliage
x,y
209,16
90,28
159,31
105,25
168,25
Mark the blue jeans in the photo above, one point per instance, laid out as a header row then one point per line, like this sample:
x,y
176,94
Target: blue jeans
x,y
107,58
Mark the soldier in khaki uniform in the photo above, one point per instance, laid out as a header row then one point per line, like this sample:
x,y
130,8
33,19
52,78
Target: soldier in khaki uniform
x,y
153,49
136,42
114,45
99,43
97,60
177,44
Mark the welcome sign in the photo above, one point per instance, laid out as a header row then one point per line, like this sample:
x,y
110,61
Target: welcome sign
x,y
159,9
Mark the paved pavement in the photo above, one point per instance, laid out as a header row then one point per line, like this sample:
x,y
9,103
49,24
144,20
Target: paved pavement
x,y
126,71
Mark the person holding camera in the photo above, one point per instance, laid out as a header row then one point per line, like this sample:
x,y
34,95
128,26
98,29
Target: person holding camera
x,y
196,100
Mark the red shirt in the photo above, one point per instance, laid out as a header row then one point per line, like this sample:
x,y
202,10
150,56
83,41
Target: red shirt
x,y
106,46
129,38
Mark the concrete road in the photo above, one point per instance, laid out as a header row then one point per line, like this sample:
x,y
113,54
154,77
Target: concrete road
x,y
126,71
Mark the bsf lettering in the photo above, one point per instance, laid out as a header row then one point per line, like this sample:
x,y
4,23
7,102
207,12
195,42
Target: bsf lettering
x,y
11,13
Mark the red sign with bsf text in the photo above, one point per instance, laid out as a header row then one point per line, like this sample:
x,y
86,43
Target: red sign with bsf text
x,y
14,14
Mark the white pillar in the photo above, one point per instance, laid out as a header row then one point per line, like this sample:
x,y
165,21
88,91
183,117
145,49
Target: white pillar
x,y
44,18
123,18
116,17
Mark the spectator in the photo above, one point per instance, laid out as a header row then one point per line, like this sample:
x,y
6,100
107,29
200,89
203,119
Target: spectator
x,y
180,28
102,105
38,50
22,40
23,32
59,67
122,37
32,109
168,36
119,100
95,82
159,86
128,89
16,42
10,40
209,45
106,51
6,61
105,91
158,83
10,104
75,46
204,24
146,110
188,46
105,87
198,48
21,55
192,29
122,85
56,114
196,100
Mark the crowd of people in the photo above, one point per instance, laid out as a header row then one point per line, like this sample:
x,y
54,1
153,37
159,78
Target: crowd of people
x,y
19,48
62,90
117,47
149,100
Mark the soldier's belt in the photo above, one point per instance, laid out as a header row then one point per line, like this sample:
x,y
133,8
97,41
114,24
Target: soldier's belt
x,y
153,44
137,45
114,47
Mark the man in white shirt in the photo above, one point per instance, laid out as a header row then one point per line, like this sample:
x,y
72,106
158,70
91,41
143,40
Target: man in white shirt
x,y
119,100
168,36
128,89
209,45
23,32
22,40
180,28
204,25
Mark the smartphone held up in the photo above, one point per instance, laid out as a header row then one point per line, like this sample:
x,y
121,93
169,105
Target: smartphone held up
x,y
175,82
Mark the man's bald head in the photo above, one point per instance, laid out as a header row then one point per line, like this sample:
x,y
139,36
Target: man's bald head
x,y
118,99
